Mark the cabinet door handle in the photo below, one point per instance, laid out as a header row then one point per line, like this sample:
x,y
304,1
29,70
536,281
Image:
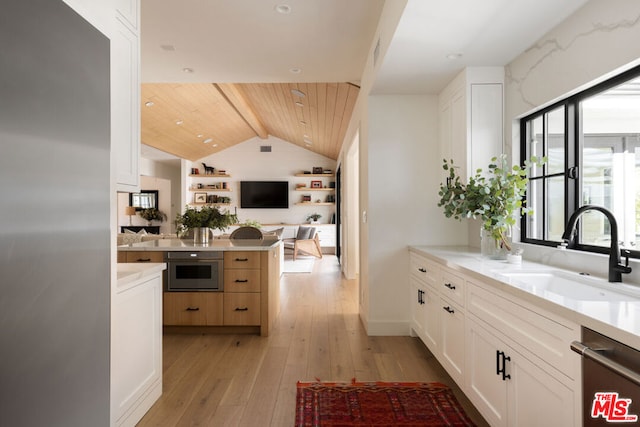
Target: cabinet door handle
x,y
449,309
143,260
242,280
242,309
420,296
450,286
422,270
501,364
193,309
242,259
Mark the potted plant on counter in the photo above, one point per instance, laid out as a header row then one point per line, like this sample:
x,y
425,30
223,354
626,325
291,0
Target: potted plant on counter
x,y
313,218
494,198
152,214
202,220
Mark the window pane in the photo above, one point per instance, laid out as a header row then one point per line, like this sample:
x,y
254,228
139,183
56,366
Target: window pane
x,y
535,225
535,145
555,141
555,208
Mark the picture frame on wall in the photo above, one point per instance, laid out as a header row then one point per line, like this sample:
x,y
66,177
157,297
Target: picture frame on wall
x,y
200,198
316,184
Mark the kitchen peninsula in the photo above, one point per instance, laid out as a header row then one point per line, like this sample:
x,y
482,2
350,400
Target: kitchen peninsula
x,y
242,292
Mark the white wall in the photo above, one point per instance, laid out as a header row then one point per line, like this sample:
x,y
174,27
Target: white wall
x,y
404,174
245,162
599,40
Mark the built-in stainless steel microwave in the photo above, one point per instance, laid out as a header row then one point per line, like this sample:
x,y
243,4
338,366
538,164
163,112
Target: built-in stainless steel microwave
x,y
194,271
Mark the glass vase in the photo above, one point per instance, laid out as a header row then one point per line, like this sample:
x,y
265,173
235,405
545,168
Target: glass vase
x,y
493,248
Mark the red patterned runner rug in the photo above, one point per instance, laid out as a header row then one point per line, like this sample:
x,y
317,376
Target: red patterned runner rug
x,y
332,404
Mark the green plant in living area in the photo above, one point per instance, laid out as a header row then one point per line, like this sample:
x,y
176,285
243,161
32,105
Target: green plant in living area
x,y
152,214
314,217
206,216
494,197
251,223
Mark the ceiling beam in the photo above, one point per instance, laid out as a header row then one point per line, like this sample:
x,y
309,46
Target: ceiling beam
x,y
238,101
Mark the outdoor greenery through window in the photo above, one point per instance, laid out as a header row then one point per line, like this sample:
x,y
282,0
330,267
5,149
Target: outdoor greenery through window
x,y
592,142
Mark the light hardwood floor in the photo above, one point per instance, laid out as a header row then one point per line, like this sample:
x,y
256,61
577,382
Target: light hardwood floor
x,y
246,380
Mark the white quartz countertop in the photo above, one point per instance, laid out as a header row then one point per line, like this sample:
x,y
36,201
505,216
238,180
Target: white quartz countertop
x,y
619,320
213,245
131,272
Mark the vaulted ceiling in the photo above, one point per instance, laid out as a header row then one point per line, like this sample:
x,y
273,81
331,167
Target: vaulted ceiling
x,y
194,120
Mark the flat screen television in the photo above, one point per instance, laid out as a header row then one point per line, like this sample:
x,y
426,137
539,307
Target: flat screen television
x,y
264,194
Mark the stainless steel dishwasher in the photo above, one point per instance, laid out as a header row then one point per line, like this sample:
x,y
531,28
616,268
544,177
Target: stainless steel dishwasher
x,y
610,380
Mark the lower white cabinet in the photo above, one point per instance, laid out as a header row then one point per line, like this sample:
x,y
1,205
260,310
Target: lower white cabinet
x,y
452,339
511,390
136,349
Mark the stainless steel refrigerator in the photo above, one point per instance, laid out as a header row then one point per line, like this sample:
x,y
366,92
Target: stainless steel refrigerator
x,y
54,217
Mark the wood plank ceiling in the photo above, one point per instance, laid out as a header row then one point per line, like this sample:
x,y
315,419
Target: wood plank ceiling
x,y
195,120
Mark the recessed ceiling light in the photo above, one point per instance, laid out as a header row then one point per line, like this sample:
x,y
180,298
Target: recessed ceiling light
x,y
299,104
167,47
200,135
188,70
208,140
283,8
179,122
299,93
454,56
295,70
149,104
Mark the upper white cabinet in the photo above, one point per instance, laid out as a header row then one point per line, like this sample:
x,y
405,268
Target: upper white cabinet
x,y
119,20
471,120
125,94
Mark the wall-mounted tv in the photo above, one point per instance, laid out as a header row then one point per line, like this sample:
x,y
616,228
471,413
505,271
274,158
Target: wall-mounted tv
x,y
264,194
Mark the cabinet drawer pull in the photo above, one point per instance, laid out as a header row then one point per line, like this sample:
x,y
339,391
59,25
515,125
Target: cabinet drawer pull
x,y
193,309
242,280
449,309
450,286
242,309
501,364
143,260
422,270
242,259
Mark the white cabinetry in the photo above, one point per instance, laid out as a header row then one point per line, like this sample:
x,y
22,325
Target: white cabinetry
x,y
136,348
511,358
471,118
125,94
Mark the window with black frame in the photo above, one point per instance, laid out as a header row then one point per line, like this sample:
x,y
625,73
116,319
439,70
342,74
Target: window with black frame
x,y
592,142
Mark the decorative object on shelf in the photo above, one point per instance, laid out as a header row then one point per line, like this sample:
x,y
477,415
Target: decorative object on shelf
x,y
313,218
152,214
195,171
316,184
332,184
130,210
493,198
208,170
306,198
331,198
200,198
204,218
317,170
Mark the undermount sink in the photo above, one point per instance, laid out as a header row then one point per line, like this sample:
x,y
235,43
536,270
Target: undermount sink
x,y
555,283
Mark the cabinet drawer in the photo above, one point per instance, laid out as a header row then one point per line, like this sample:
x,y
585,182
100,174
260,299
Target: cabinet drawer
x,y
144,256
423,269
543,336
452,287
241,259
192,308
241,280
242,309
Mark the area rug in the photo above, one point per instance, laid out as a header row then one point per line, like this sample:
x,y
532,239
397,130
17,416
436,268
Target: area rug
x,y
301,265
377,404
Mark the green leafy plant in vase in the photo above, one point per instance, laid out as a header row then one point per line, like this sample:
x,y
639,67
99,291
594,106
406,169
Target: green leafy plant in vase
x,y
313,218
152,214
493,197
207,217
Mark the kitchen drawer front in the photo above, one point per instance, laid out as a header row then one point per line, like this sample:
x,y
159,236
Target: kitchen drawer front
x,y
242,309
424,270
241,280
144,256
452,287
241,259
543,336
192,308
